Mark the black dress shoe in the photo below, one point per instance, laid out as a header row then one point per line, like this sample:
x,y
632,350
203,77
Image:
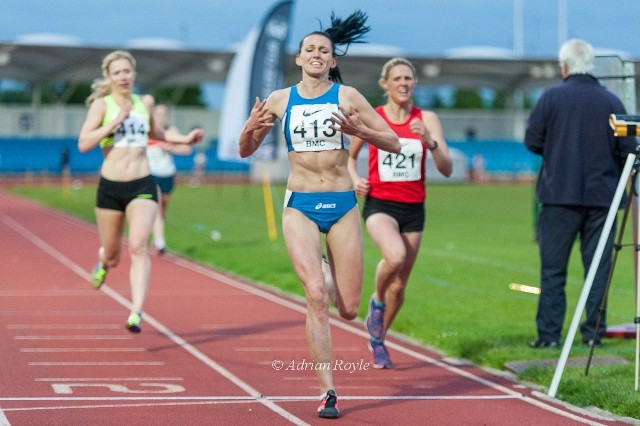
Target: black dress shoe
x,y
542,344
592,342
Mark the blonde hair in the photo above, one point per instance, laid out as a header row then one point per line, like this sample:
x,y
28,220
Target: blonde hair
x,y
101,87
394,62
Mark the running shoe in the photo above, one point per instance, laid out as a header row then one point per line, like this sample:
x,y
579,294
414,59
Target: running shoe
x,y
133,323
544,344
329,407
375,320
160,245
98,275
380,354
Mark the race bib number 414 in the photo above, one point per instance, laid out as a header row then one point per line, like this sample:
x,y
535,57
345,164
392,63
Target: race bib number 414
x,y
132,133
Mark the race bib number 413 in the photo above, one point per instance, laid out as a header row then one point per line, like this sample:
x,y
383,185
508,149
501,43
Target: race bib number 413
x,y
405,166
309,128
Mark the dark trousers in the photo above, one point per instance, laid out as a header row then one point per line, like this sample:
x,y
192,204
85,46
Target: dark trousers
x,y
558,227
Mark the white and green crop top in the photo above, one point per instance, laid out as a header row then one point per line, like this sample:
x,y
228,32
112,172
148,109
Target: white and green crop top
x,y
133,132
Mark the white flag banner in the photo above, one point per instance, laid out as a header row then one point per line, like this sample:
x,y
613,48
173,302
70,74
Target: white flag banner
x,y
256,71
235,100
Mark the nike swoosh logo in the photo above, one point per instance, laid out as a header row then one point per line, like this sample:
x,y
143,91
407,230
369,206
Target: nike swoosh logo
x,y
307,114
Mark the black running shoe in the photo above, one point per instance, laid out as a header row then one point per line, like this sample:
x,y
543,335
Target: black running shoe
x,y
329,407
544,344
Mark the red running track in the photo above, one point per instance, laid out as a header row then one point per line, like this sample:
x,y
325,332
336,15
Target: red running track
x,y
213,350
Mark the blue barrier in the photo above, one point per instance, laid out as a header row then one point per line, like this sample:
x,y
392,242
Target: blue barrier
x,y
19,155
500,156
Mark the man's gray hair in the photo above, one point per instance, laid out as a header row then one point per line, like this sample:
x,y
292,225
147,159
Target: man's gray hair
x,y
577,56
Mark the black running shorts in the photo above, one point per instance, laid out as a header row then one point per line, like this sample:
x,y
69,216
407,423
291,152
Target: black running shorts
x,y
410,216
117,195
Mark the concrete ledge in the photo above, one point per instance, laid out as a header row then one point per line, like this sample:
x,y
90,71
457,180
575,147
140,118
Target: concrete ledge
x,y
520,366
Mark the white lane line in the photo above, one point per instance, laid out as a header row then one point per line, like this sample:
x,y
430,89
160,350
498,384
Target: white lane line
x,y
65,350
226,326
23,313
106,379
288,349
94,363
3,419
396,397
47,293
72,337
155,404
179,341
42,245
283,398
276,337
63,326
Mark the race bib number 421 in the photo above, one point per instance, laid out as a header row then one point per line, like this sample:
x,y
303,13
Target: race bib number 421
x,y
405,166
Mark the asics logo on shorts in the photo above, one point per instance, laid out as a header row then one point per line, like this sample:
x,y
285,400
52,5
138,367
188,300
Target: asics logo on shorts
x,y
320,206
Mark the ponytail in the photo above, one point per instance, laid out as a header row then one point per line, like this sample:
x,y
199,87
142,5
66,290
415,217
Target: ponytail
x,y
343,33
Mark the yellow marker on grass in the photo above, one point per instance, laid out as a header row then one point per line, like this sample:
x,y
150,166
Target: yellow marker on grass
x,y
524,288
268,207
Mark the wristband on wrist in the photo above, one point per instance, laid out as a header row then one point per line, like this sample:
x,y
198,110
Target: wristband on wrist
x,y
435,145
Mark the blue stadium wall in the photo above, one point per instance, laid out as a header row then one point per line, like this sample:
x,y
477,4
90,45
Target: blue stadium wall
x,y
20,155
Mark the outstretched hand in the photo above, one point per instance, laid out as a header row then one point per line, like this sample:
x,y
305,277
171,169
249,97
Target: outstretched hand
x,y
348,122
195,136
260,116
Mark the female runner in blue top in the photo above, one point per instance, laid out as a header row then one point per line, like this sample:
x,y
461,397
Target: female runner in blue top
x,y
318,115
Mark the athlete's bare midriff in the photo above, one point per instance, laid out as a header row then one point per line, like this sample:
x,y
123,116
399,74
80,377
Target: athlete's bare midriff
x,y
322,171
125,164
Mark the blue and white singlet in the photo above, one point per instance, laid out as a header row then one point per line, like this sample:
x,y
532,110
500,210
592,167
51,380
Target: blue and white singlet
x,y
306,122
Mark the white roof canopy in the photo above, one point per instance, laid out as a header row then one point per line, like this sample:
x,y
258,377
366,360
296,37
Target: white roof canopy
x,y
162,64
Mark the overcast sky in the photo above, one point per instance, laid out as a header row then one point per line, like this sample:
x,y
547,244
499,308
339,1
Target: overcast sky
x,y
423,27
